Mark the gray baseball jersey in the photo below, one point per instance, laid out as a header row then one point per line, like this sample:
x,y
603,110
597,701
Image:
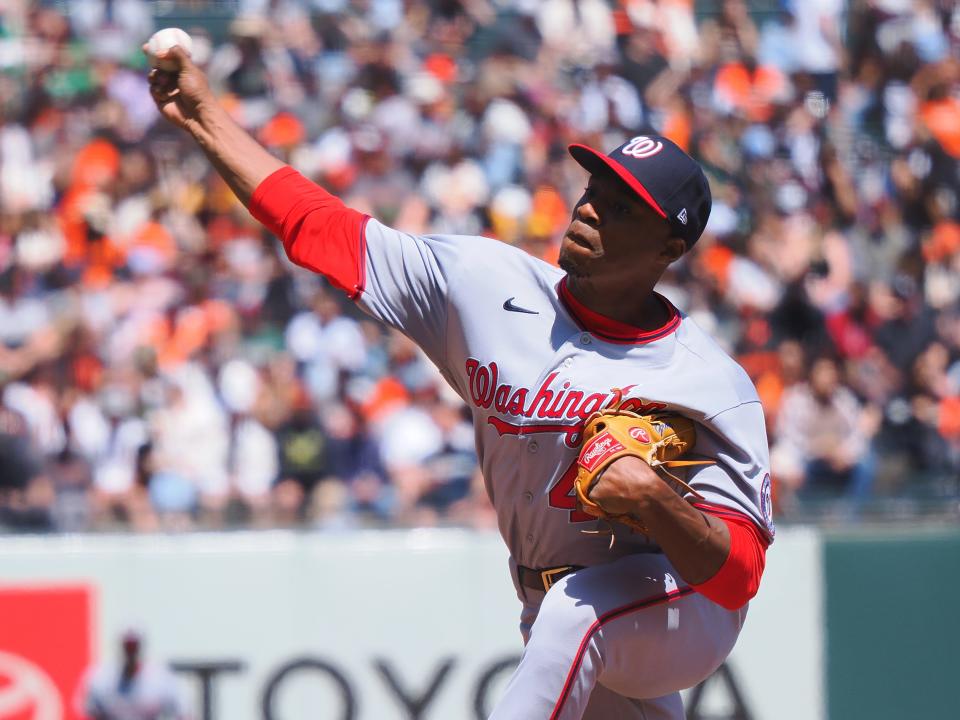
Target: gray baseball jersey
x,y
617,635
532,366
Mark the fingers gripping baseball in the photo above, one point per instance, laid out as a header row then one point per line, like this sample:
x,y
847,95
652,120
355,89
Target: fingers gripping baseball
x,y
620,452
180,92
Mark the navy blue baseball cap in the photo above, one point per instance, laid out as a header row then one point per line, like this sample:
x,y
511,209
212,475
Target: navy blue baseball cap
x,y
663,175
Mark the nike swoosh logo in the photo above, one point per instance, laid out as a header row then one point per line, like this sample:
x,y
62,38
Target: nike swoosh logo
x,y
508,305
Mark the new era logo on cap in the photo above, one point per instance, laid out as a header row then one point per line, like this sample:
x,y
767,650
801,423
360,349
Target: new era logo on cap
x,y
664,176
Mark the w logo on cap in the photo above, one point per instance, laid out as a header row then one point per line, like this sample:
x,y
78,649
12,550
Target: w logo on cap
x,y
642,147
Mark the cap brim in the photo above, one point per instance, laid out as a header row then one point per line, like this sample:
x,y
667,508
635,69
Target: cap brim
x,y
596,163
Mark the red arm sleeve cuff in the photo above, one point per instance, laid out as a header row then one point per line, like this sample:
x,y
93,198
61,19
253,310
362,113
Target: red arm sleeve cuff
x,y
318,231
738,579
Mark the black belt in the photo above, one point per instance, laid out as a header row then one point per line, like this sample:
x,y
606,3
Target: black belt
x,y
544,578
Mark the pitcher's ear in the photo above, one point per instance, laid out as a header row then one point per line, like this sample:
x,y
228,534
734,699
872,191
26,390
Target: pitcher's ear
x,y
674,249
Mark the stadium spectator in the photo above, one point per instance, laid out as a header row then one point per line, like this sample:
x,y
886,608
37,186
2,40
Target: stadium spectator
x,y
25,500
355,461
303,463
823,439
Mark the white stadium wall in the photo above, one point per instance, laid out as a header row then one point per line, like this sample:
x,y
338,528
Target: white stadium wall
x,y
366,625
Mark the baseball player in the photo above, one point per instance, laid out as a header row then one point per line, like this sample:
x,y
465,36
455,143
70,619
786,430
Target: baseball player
x,y
134,689
615,621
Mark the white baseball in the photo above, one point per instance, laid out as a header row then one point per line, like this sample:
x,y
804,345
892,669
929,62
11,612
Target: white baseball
x,y
163,40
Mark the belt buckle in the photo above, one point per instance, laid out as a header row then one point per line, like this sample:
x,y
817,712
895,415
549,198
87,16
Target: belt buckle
x,y
547,576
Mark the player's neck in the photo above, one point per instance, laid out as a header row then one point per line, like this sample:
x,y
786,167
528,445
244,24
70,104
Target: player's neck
x,y
641,309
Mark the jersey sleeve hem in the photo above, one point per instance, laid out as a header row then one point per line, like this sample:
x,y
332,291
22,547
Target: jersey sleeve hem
x,y
729,513
361,265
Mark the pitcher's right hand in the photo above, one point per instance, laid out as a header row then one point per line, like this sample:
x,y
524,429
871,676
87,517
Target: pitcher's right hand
x,y
179,94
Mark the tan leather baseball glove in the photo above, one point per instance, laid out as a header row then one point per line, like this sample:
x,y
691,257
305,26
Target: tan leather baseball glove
x,y
610,434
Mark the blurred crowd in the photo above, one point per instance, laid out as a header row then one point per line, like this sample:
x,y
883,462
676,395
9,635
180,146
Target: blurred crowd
x,y
162,365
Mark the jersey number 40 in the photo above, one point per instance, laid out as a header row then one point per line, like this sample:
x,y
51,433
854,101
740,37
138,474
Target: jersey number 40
x,y
563,497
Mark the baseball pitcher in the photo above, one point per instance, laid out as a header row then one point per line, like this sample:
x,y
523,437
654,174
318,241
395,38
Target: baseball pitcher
x,y
624,451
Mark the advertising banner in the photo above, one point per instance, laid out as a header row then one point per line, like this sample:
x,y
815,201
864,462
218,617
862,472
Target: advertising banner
x,y
45,648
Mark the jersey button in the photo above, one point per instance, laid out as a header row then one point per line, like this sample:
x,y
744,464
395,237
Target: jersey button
x,y
533,447
528,496
568,362
585,339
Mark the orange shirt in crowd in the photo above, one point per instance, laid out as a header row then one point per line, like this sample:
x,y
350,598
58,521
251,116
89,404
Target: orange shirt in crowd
x,y
942,118
949,418
176,340
753,94
943,242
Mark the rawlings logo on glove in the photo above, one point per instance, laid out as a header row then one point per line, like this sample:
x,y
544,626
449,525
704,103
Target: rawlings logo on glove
x,y
611,434
597,450
638,433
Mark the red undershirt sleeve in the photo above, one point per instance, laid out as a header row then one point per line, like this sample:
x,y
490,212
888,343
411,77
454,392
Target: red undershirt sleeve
x,y
318,231
738,579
